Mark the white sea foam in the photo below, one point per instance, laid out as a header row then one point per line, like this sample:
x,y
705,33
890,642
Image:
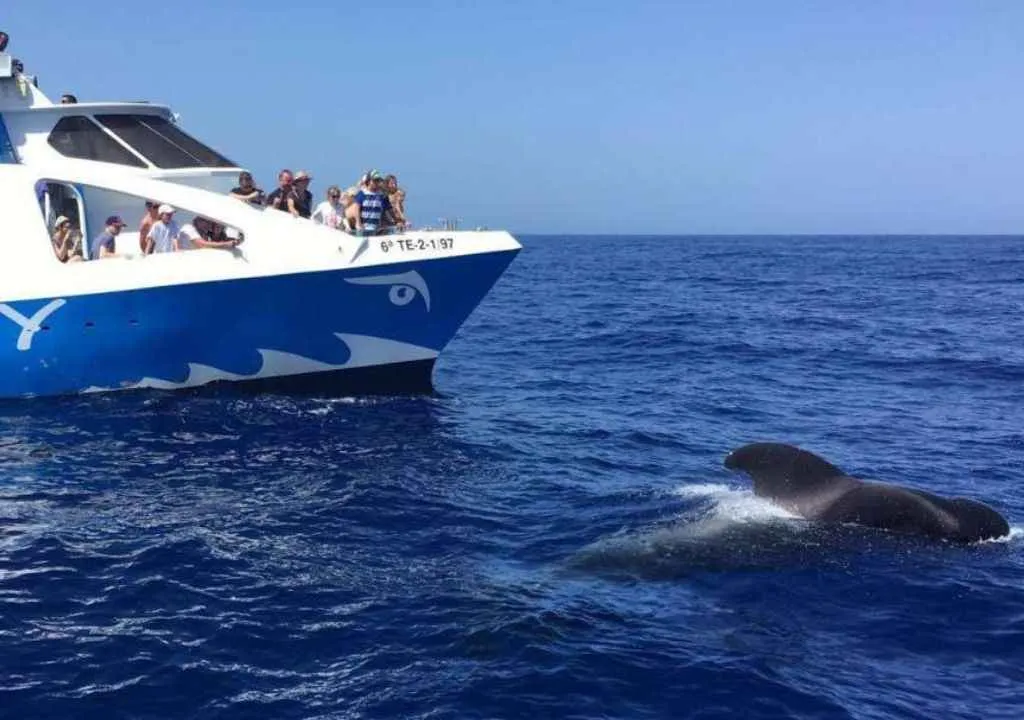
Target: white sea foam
x,y
726,527
1016,533
738,505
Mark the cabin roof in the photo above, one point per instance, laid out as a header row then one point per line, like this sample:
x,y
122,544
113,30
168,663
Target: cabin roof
x,y
93,108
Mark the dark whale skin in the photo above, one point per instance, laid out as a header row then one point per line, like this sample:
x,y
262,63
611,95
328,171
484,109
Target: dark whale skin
x,y
811,486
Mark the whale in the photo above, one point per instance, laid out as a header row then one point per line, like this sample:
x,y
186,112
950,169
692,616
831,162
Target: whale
x,y
815,489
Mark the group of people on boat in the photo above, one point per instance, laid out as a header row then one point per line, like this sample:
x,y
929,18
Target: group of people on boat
x,y
158,233
376,205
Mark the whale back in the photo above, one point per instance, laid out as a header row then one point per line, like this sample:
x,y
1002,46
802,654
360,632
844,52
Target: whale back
x,y
783,471
817,489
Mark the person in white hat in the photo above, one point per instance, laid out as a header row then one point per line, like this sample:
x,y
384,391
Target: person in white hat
x,y
64,240
163,235
300,201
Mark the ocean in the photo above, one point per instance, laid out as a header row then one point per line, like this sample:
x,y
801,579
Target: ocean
x,y
552,535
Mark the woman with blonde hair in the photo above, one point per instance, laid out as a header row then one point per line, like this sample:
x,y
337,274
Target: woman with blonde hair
x,y
348,201
396,196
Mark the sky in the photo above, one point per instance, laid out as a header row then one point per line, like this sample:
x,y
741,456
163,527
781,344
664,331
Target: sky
x,y
685,117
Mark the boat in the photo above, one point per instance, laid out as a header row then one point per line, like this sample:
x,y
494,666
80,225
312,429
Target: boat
x,y
294,307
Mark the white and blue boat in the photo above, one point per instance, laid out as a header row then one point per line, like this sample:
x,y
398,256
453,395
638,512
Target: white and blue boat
x,y
296,307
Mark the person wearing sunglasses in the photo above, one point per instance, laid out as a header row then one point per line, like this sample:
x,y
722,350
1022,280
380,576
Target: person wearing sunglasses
x,y
330,212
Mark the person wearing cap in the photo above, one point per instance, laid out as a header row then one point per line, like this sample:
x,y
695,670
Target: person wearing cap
x,y
300,200
163,236
104,245
374,206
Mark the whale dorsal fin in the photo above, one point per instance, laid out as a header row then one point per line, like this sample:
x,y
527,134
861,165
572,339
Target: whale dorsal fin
x,y
779,470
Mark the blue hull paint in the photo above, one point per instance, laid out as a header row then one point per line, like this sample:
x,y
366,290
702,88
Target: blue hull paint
x,y
117,340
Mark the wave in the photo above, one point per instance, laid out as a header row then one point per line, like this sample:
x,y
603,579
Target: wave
x,y
364,350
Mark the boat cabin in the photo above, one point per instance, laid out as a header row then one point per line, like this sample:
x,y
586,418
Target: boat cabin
x,y
138,138
133,136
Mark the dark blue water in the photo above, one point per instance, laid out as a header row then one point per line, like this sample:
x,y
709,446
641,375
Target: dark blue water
x,y
554,536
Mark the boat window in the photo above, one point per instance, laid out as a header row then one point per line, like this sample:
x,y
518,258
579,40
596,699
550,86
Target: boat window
x,y
62,211
163,143
95,211
76,136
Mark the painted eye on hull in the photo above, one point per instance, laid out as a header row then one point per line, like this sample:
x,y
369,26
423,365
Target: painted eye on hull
x,y
405,287
402,294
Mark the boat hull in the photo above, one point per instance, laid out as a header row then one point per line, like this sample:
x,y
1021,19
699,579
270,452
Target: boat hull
x,y
414,377
368,330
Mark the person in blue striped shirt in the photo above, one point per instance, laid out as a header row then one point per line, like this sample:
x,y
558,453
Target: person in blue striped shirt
x,y
374,206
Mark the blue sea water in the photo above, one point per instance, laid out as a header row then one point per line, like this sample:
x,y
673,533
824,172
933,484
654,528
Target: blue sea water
x,y
553,535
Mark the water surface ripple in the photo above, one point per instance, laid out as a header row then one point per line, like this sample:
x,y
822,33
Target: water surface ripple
x,y
553,535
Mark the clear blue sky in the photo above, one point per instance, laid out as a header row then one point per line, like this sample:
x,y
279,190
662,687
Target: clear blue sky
x,y
816,116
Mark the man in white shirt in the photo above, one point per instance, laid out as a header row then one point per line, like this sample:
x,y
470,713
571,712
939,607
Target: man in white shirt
x,y
163,235
330,212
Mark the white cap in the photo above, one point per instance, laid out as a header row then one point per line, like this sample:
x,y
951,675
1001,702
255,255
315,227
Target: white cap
x,y
165,209
60,221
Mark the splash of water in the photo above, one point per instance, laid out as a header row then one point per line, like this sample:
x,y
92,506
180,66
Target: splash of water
x,y
1016,533
728,529
736,505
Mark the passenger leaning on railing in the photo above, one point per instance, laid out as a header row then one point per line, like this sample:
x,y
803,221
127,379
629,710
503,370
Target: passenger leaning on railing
x,y
203,233
247,190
